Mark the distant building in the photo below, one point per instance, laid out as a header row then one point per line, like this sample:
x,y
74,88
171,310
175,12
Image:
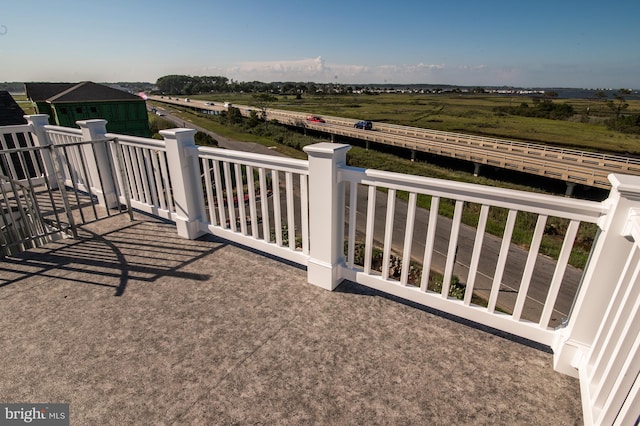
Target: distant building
x,y
66,103
10,112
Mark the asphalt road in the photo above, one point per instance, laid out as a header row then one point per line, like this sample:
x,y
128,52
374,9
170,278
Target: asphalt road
x,y
543,272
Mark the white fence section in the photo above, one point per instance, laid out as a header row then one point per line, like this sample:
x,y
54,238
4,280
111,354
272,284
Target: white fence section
x,y
387,231
512,296
258,200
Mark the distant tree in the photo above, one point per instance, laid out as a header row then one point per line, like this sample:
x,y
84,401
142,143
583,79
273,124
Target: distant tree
x,y
232,116
619,104
253,119
288,88
204,139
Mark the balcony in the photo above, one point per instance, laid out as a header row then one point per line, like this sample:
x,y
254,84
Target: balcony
x,y
214,320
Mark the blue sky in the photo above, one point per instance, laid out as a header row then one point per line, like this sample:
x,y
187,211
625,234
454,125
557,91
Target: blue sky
x,y
561,43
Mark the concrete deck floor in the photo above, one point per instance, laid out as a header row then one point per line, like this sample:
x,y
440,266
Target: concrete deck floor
x,y
131,324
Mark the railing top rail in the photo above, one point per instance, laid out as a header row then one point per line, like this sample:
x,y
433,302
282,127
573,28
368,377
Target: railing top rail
x,y
85,142
570,208
18,128
20,149
64,130
257,160
137,141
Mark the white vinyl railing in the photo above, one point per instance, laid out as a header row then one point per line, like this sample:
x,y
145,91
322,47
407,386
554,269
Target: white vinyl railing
x,y
147,179
504,302
334,220
260,200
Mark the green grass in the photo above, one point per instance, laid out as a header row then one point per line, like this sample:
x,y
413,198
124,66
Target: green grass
x,y
360,157
472,114
25,104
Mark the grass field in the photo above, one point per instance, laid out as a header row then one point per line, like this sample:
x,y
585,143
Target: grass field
x,y
25,104
360,157
466,113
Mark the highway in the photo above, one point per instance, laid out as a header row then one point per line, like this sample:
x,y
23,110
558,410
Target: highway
x,y
572,166
545,266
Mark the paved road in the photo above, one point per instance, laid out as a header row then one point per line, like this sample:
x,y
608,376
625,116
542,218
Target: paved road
x,y
223,142
517,257
543,273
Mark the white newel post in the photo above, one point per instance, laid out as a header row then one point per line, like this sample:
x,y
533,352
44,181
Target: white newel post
x,y
184,170
41,139
326,208
600,277
99,165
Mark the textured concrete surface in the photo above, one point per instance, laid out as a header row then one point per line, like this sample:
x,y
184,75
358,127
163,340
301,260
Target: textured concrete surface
x,y
133,325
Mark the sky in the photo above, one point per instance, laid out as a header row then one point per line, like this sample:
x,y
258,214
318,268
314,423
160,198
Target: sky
x,y
541,43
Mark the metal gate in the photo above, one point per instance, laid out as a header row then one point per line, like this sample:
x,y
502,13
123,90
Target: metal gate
x,y
46,192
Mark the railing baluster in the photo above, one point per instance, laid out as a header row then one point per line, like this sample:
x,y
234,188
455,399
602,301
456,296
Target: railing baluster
x,y
118,173
558,274
304,212
264,205
157,175
291,223
408,239
453,249
143,176
502,260
166,181
206,168
219,193
251,189
475,256
87,179
371,213
129,166
240,197
277,213
388,232
150,178
429,243
228,184
353,209
11,170
527,274
74,181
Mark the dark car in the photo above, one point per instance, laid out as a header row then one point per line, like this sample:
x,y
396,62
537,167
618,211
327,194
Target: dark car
x,y
365,125
315,119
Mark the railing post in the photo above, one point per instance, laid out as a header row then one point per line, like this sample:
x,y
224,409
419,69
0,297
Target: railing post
x,y
41,139
600,277
99,162
326,208
184,172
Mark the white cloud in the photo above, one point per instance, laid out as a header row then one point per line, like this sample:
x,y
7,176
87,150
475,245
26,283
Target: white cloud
x,y
318,70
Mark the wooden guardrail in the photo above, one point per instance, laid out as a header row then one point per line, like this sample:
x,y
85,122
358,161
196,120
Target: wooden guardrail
x,y
569,165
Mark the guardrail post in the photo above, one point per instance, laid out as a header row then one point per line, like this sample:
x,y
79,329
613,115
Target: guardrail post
x,y
99,164
184,171
600,277
326,208
41,139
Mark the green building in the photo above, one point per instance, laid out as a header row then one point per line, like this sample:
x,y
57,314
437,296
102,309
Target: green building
x,y
66,103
